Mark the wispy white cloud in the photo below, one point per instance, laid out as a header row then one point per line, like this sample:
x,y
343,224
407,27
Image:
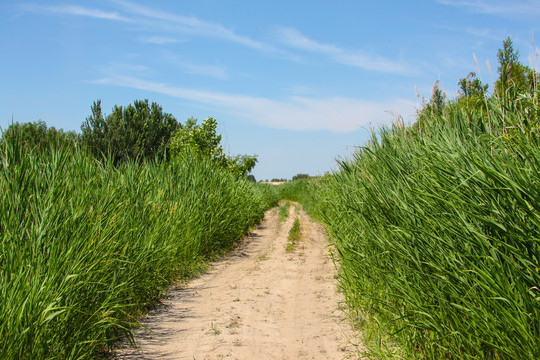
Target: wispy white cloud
x,y
190,24
491,34
294,38
75,10
497,7
169,23
113,68
217,71
159,40
337,114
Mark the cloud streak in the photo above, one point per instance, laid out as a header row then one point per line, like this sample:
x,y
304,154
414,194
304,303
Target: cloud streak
x,y
216,71
190,24
293,38
75,10
531,7
159,40
170,23
336,114
173,24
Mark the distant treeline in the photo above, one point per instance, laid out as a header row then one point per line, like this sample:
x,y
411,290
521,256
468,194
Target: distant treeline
x,y
136,132
514,80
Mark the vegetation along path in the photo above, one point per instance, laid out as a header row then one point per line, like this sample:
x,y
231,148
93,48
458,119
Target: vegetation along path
x,y
267,300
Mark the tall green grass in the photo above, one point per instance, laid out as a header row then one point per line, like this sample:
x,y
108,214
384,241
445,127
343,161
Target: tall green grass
x,y
438,231
309,192
294,235
284,212
85,247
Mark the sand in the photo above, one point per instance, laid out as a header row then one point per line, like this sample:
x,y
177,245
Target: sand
x,y
259,302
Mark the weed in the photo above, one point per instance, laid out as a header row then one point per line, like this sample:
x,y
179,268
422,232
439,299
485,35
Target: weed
x,y
294,235
214,329
284,212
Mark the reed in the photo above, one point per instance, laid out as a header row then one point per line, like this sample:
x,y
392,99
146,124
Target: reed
x,y
284,211
86,247
438,234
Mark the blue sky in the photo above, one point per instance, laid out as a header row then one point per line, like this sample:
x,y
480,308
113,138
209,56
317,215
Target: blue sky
x,y
300,83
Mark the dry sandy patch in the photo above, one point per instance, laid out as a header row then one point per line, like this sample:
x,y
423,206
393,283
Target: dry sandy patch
x,y
260,302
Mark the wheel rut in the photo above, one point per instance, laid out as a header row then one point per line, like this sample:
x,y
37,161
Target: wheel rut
x,y
260,302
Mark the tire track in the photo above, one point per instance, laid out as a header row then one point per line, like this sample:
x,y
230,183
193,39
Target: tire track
x,y
260,302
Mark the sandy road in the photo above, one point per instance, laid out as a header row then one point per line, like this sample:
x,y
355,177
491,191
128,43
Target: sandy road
x,y
261,302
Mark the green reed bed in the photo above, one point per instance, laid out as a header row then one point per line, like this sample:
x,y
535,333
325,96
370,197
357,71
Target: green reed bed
x,y
85,247
438,231
310,193
284,211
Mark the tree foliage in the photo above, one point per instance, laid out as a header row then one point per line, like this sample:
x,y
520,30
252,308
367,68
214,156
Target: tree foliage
x,y
436,103
204,141
471,87
514,77
515,81
300,176
438,98
200,140
36,135
472,91
510,70
134,132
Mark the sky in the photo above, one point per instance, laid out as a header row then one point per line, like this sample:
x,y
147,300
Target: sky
x,y
301,84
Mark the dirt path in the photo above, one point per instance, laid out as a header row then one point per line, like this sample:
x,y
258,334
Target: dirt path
x,y
261,302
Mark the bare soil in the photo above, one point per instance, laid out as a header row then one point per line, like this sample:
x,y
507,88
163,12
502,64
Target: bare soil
x,y
260,302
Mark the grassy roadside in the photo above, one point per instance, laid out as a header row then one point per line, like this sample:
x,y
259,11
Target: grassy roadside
x,y
86,246
437,231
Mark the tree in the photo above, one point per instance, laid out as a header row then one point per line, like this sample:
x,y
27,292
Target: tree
x,y
300,176
95,131
436,104
137,131
199,140
472,92
36,135
471,87
512,74
204,141
242,164
510,70
438,98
